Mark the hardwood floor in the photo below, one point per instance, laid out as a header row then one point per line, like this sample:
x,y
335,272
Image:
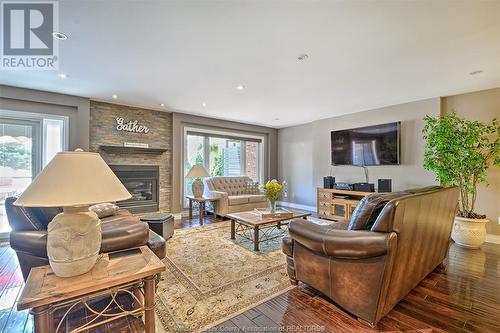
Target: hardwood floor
x,y
462,297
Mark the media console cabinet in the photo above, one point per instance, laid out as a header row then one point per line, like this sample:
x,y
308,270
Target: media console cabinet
x,y
337,204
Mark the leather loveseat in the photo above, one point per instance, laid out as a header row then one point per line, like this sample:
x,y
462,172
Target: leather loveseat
x,y
368,264
29,234
237,194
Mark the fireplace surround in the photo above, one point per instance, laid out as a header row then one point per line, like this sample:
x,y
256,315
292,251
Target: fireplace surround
x,y
142,181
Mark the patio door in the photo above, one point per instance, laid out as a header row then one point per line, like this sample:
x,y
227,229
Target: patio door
x,y
20,160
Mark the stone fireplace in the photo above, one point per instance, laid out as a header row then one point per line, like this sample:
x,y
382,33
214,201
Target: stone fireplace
x,y
145,171
142,181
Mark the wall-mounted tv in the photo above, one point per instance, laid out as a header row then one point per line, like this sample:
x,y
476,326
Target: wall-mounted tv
x,y
371,145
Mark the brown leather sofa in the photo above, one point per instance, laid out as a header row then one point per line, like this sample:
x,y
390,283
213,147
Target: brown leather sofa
x,y
368,264
29,234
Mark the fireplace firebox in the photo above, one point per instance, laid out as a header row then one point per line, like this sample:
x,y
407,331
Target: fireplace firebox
x,y
142,181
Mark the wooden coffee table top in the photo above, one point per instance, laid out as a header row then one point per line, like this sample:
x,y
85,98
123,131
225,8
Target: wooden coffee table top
x,y
253,218
43,287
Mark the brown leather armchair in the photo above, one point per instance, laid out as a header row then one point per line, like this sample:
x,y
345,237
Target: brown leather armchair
x,y
367,265
29,234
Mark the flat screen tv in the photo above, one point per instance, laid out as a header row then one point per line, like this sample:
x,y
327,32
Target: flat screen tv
x,y
371,145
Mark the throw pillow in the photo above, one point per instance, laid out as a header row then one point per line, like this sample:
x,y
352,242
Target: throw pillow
x,y
104,210
368,209
252,188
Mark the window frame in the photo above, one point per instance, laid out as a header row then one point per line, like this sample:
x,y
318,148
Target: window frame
x,y
207,133
40,118
39,137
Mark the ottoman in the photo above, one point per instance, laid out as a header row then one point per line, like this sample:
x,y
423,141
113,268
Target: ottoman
x,y
162,224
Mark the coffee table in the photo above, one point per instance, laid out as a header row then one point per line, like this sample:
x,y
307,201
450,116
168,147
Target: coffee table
x,y
244,221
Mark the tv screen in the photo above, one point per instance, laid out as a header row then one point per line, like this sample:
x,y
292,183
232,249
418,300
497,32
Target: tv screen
x,y
371,145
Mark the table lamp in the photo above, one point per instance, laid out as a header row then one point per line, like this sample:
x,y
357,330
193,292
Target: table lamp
x,y
73,181
197,172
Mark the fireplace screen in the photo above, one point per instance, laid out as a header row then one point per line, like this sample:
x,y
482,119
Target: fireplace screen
x,y
141,190
142,183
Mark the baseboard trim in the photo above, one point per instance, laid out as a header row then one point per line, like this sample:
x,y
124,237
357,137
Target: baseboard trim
x,y
296,206
492,238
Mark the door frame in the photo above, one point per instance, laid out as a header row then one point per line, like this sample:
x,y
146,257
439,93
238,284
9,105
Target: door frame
x,y
36,148
262,151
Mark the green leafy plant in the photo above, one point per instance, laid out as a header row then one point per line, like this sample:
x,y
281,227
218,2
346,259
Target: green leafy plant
x,y
460,152
218,162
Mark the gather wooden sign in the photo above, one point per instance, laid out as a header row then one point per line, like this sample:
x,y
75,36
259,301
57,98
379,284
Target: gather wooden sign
x,y
131,126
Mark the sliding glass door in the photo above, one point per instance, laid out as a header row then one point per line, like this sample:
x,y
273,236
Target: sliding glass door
x,y
28,141
19,160
222,156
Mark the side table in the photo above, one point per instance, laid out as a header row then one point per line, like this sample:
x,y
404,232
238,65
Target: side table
x,y
44,292
201,202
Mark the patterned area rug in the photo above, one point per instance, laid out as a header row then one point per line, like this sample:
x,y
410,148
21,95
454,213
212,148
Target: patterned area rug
x,y
211,278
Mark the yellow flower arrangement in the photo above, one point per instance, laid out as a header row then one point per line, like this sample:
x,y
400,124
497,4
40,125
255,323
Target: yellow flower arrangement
x,y
272,190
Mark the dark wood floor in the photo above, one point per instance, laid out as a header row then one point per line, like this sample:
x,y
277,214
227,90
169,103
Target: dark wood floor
x,y
462,297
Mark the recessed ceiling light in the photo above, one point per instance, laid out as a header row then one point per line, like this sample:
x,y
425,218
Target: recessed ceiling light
x,y
162,105
203,104
302,57
115,96
476,72
63,76
240,87
276,118
59,35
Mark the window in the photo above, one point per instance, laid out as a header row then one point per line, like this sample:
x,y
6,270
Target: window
x,y
222,155
53,138
27,143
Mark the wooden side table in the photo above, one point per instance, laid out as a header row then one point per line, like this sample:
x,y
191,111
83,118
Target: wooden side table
x,y
44,292
201,202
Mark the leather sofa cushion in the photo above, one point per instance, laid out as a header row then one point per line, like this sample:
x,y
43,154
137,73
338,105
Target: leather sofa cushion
x,y
123,231
237,200
33,242
256,198
369,208
29,218
332,241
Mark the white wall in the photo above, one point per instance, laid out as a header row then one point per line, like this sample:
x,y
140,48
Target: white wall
x,y
304,151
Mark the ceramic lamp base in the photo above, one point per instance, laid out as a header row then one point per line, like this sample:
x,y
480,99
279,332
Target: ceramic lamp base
x,y
198,188
73,241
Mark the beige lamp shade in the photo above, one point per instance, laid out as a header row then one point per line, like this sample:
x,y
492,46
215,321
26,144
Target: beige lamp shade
x,y
74,179
197,171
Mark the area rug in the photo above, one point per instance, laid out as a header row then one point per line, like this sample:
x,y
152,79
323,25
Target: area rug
x,y
210,278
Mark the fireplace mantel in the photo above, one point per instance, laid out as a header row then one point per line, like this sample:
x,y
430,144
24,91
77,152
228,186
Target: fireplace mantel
x,y
131,150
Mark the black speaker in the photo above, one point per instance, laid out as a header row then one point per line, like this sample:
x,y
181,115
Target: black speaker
x,y
328,182
385,185
364,187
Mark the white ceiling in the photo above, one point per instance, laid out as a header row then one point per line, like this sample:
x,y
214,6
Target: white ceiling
x,y
362,55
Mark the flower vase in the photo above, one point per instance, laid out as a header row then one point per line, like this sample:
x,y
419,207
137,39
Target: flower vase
x,y
272,206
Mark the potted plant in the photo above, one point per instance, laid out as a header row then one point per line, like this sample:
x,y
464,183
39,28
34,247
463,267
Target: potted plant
x,y
272,190
460,152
